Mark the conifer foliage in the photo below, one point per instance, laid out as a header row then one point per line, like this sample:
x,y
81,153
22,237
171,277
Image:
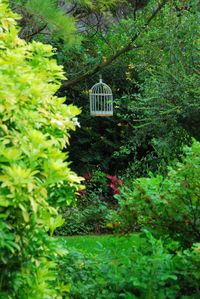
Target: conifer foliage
x,y
34,128
56,19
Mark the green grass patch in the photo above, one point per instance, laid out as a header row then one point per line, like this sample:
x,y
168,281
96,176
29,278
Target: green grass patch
x,y
93,244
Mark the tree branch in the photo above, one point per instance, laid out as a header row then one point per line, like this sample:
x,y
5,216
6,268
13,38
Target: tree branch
x,y
128,47
37,31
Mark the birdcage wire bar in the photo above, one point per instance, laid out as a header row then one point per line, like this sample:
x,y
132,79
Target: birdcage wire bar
x,y
101,100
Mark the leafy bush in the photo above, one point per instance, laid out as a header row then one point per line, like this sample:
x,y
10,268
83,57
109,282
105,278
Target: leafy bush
x,y
101,186
93,205
83,221
74,222
34,129
138,266
167,205
187,270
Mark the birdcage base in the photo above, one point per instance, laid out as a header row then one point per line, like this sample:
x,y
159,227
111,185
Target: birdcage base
x,y
101,114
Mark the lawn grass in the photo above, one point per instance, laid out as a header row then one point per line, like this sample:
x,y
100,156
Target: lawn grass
x,y
92,244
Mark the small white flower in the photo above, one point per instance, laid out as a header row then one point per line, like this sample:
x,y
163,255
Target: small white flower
x,y
67,119
76,122
57,122
38,125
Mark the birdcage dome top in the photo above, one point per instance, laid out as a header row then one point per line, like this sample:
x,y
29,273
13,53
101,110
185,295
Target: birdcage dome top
x,y
101,100
101,88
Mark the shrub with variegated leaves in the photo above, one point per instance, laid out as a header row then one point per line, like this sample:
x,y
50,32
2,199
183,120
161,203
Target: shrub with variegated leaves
x,y
34,129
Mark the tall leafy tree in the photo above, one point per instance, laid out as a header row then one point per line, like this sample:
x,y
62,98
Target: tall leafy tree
x,y
58,18
157,86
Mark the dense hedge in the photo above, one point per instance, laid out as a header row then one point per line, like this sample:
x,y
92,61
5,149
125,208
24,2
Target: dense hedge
x,y
34,128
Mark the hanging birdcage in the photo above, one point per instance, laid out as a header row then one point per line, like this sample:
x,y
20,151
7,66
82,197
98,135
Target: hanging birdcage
x,y
101,100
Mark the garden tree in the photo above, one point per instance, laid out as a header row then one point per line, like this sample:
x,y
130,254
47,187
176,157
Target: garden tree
x,y
141,35
34,129
166,108
140,26
157,86
92,17
58,18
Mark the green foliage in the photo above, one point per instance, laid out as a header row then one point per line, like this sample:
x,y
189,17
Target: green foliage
x,y
168,65
187,265
94,153
99,5
92,207
84,219
138,268
156,90
57,21
135,266
169,205
34,129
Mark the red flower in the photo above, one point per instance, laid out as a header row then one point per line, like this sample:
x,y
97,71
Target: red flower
x,y
114,180
88,176
119,182
112,186
116,191
81,192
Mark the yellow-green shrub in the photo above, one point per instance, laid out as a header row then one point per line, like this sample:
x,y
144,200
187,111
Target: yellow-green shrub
x,y
34,128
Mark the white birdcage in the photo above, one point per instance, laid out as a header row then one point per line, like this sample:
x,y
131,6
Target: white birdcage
x,y
101,100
